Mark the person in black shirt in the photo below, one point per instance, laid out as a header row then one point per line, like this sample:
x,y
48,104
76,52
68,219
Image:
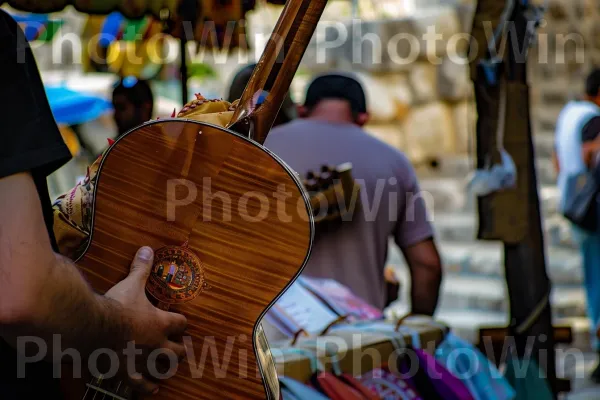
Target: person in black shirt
x,y
41,292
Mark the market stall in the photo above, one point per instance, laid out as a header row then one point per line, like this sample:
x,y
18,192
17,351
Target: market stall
x,y
139,26
338,346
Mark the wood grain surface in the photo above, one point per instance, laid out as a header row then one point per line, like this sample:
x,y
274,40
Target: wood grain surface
x,y
247,220
276,68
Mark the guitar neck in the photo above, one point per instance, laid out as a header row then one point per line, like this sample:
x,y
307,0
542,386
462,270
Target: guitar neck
x,y
272,77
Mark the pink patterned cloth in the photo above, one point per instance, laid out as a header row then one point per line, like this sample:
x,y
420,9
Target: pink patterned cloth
x,y
389,386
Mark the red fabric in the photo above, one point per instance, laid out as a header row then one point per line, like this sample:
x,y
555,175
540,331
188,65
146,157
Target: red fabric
x,y
387,385
367,393
336,388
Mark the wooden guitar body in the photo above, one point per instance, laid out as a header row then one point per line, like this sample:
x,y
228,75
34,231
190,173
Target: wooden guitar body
x,y
231,228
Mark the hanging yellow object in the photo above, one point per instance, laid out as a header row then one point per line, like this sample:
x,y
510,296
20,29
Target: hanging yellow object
x,y
70,139
129,8
142,57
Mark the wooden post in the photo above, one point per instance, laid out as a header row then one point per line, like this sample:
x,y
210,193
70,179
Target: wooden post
x,y
525,263
513,216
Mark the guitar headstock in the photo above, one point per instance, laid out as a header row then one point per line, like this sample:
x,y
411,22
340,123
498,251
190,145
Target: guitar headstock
x,y
334,194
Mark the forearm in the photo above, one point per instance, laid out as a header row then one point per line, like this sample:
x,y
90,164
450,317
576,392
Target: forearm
x,y
425,289
68,307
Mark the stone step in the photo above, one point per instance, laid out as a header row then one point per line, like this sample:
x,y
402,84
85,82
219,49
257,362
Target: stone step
x,y
545,118
462,166
466,323
543,141
486,259
462,227
489,293
450,195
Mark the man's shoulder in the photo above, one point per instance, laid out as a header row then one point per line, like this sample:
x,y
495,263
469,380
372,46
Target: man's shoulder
x,y
7,24
352,134
573,117
385,148
578,109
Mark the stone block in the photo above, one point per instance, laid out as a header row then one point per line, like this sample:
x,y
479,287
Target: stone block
x,y
545,171
325,47
562,37
571,10
396,44
442,22
448,194
399,92
423,82
464,119
554,95
594,37
388,133
583,9
543,144
376,46
380,105
453,80
429,132
557,11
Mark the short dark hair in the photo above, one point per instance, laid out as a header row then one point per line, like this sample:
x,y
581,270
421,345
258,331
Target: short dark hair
x,y
139,93
239,82
337,86
592,83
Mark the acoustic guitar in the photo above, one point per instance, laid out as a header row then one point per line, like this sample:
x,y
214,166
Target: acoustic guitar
x,y
237,235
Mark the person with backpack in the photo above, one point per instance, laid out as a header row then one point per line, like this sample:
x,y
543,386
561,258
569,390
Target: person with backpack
x,y
576,157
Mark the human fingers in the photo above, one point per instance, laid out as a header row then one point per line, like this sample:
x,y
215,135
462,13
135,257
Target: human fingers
x,y
174,323
141,265
142,385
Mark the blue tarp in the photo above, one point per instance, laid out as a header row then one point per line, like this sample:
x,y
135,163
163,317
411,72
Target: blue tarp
x,y
38,26
71,108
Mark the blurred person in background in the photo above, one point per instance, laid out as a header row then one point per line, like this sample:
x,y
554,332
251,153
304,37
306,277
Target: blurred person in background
x,y
238,84
329,132
577,148
133,102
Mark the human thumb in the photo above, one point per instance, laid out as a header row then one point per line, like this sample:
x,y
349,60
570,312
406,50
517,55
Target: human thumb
x,y
142,264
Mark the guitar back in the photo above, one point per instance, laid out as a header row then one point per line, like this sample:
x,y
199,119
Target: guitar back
x,y
231,228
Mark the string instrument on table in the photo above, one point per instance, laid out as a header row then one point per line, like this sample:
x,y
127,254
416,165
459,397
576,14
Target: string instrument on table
x,y
222,257
334,195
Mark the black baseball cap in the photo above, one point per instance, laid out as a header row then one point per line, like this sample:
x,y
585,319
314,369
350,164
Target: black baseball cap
x,y
337,86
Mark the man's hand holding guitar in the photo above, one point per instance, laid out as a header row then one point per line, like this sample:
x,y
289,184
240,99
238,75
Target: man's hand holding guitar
x,y
43,292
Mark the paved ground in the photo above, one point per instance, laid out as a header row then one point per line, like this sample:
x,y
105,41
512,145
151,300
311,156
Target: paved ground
x,y
583,389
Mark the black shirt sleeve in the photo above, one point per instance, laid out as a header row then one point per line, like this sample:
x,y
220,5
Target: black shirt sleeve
x,y
29,141
29,137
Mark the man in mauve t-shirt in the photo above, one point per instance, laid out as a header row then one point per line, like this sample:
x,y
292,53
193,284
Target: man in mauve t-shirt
x,y
391,204
44,300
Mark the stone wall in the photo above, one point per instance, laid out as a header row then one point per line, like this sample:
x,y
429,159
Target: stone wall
x,y
567,48
419,93
426,107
